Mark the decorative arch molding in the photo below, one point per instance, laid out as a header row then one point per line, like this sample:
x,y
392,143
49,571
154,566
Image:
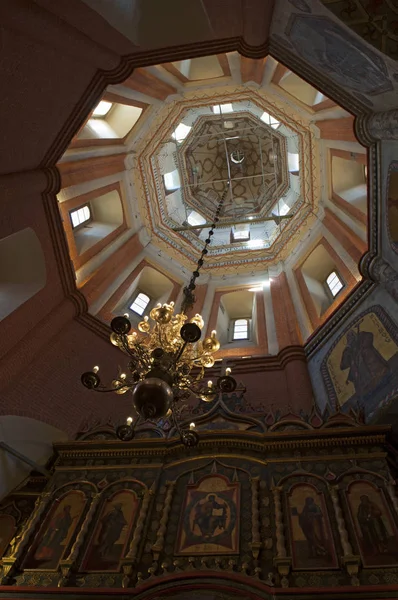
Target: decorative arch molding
x,y
209,585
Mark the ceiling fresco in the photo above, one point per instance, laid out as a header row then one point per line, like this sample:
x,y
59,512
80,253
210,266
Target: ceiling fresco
x,y
258,148
239,149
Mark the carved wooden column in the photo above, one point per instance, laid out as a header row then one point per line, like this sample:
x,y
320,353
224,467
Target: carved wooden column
x,y
159,543
256,542
131,557
350,561
281,561
67,565
10,563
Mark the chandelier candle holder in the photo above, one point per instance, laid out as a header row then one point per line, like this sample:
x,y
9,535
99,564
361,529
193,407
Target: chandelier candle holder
x,y
167,362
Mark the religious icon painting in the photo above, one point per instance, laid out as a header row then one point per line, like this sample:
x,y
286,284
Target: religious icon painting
x,y
111,533
56,532
363,362
209,521
375,528
7,531
310,531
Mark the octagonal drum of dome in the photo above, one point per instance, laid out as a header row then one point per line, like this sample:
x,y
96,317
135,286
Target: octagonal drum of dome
x,y
254,149
239,155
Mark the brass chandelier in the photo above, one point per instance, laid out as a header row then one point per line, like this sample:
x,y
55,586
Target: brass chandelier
x,y
167,361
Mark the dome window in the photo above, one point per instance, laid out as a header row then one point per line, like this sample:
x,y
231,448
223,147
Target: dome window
x,y
181,132
80,216
221,109
241,329
269,120
102,109
140,303
172,181
334,283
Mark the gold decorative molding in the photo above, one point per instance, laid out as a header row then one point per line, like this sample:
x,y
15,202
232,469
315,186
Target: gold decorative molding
x,y
159,543
66,565
350,561
256,542
130,559
282,561
11,562
267,442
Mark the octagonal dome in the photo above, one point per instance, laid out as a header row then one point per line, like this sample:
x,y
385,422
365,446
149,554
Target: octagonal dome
x,y
249,146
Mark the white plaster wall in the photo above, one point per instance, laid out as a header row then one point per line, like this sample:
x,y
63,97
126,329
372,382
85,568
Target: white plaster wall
x,y
30,437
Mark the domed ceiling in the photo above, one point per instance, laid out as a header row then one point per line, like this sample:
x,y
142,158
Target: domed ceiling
x,y
250,144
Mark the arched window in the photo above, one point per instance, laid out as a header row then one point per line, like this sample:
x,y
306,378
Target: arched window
x,y
241,329
334,283
140,303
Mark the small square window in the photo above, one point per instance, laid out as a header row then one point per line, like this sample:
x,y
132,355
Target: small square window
x,y
80,215
334,283
172,181
241,329
219,109
240,233
270,120
195,218
140,303
181,132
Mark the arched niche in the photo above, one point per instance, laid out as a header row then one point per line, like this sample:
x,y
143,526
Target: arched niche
x,y
153,284
315,270
300,89
22,269
115,124
195,69
106,215
29,437
239,305
349,182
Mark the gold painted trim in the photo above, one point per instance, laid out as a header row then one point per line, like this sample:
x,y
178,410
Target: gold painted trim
x,y
265,462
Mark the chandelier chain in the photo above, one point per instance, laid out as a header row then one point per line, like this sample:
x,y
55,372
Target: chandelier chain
x,y
189,296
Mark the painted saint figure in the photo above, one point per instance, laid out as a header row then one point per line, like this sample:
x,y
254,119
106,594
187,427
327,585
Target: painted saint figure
x,y
56,533
311,523
210,515
112,525
367,367
373,530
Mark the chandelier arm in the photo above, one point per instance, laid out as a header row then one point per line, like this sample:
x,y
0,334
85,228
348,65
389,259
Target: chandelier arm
x,y
179,353
126,346
105,390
